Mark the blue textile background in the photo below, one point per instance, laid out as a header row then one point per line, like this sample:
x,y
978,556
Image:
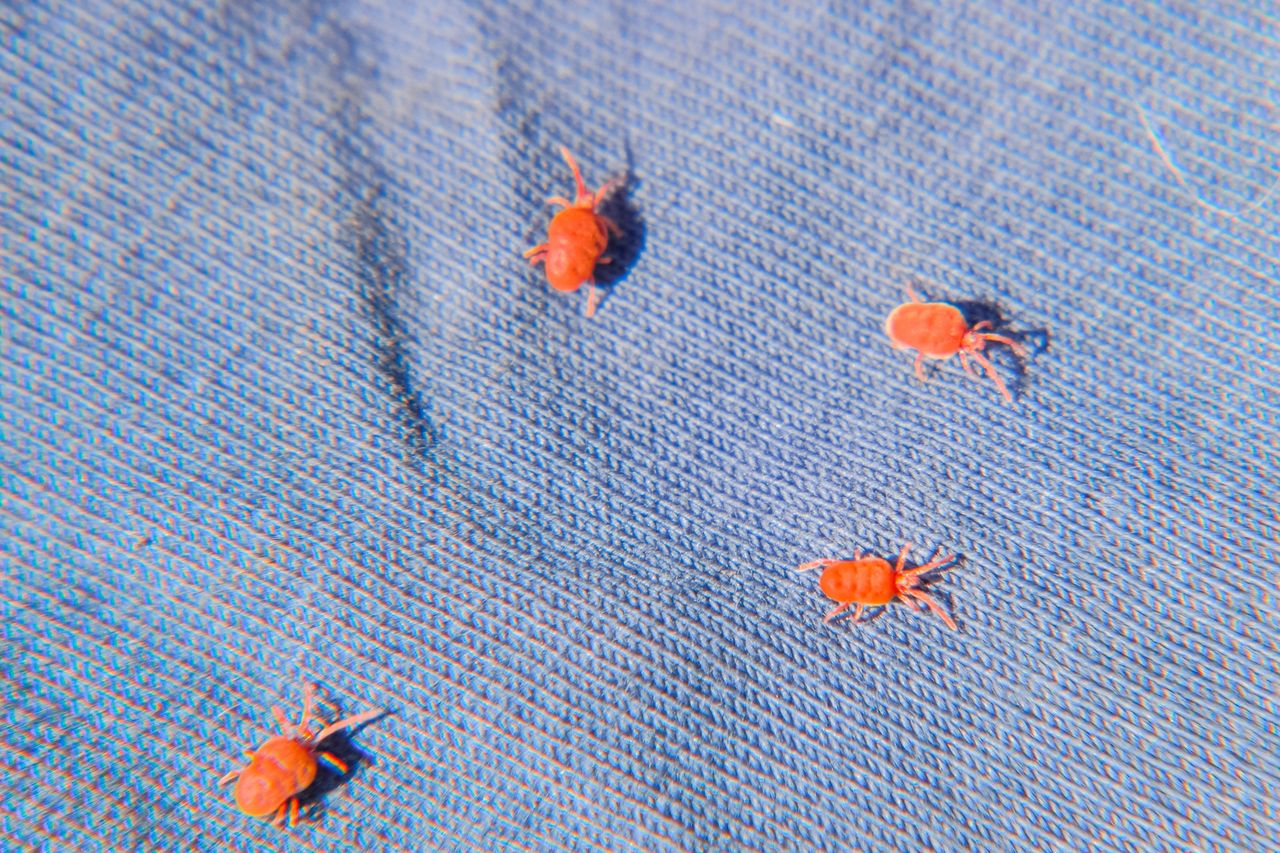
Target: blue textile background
x,y
281,402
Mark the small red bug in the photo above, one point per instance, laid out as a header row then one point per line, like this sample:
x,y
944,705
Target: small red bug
x,y
285,765
872,582
576,239
938,330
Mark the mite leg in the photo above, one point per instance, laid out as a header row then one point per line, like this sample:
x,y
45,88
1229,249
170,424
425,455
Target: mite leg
x,y
308,708
930,566
346,722
282,721
995,377
902,558
609,223
1018,348
932,605
816,564
577,174
836,611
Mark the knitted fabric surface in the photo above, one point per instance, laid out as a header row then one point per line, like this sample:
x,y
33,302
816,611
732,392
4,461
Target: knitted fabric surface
x,y
281,403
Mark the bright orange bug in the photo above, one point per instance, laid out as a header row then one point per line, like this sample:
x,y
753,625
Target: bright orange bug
x,y
872,582
938,330
285,765
576,239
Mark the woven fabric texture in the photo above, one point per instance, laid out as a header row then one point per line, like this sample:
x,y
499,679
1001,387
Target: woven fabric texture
x,y
280,402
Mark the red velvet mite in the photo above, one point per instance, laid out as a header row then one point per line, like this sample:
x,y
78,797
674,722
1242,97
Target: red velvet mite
x,y
937,330
285,765
576,239
871,582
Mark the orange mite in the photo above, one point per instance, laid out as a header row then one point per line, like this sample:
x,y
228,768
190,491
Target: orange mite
x,y
872,582
576,240
938,330
285,766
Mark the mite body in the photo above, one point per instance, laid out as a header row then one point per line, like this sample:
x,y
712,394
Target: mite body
x,y
576,240
937,330
873,582
285,766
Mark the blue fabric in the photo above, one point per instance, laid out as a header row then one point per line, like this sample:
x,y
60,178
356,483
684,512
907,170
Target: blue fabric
x,y
281,402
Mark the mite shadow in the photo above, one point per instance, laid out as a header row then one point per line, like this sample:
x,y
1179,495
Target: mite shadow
x,y
312,802
624,247
904,610
1035,340
875,615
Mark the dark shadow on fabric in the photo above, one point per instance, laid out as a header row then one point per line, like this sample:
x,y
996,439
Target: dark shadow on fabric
x,y
328,779
1036,341
624,248
934,584
873,615
382,276
323,47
